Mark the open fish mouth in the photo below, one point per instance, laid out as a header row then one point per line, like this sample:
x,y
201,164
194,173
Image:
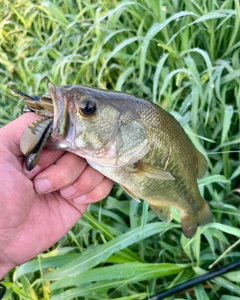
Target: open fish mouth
x,y
60,113
63,130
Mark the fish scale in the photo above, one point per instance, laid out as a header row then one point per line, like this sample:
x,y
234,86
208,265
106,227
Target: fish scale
x,y
131,141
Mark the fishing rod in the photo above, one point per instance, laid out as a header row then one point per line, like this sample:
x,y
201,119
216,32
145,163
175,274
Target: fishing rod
x,y
200,279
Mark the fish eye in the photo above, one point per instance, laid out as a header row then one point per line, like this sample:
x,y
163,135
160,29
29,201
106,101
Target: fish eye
x,y
88,107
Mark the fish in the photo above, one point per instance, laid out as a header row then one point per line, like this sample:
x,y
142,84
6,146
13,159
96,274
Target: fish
x,y
130,140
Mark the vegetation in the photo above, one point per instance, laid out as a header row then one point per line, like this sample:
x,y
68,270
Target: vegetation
x,y
183,55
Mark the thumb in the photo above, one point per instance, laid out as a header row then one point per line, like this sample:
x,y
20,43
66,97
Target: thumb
x,y
10,134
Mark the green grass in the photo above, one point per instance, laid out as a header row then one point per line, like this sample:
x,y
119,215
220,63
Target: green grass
x,y
183,55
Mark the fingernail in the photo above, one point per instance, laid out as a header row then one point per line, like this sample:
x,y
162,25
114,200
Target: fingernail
x,y
68,192
31,174
42,186
80,199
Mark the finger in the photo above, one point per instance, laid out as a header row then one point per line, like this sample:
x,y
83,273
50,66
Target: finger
x,y
87,181
98,193
63,173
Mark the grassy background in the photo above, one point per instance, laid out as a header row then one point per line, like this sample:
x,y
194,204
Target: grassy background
x,y
183,55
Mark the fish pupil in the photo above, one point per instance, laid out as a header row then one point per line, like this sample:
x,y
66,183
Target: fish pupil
x,y
88,107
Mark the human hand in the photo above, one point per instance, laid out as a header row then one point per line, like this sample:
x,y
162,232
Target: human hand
x,y
38,207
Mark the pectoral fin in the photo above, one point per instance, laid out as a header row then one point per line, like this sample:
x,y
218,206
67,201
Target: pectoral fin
x,y
163,212
153,171
33,140
130,193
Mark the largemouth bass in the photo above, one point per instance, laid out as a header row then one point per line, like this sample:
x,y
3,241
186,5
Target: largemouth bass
x,y
128,139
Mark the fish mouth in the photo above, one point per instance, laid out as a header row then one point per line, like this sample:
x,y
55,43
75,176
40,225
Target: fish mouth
x,y
61,120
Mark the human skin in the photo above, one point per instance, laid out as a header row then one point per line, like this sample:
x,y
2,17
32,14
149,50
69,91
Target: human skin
x,y
39,207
